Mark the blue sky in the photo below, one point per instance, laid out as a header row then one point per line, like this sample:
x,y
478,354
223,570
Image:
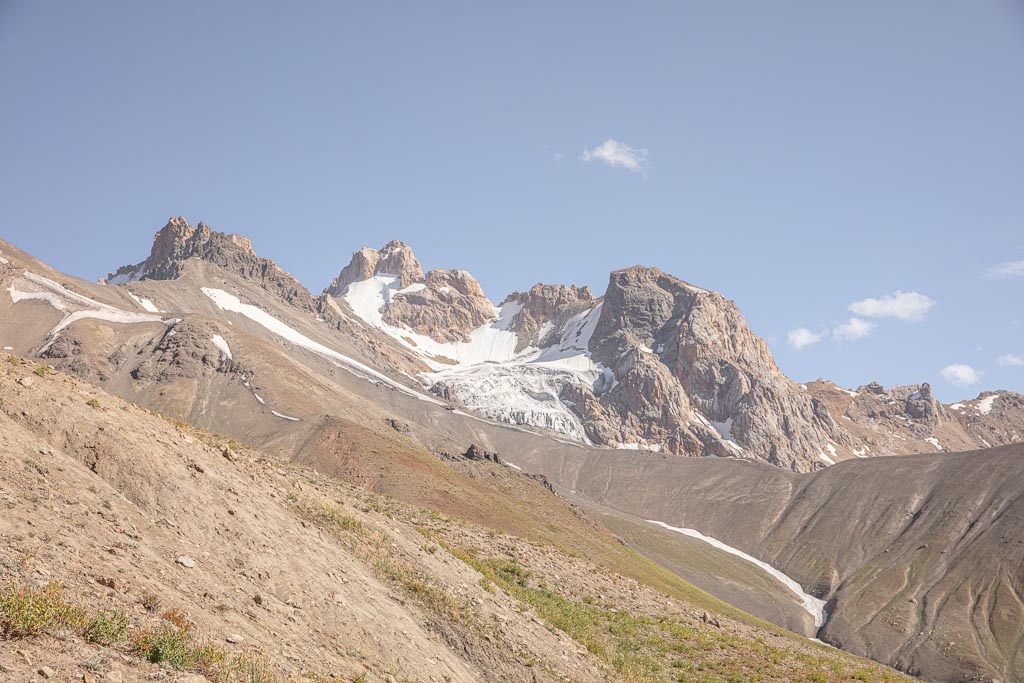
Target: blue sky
x,y
797,156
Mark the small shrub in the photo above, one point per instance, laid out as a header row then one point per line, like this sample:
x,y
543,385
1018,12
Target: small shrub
x,y
13,360
37,466
150,602
253,668
107,628
165,643
92,403
30,611
175,617
42,370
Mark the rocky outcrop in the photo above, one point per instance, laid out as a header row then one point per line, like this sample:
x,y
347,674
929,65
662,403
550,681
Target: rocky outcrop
x,y
185,351
447,307
544,310
727,374
178,242
475,452
907,419
394,258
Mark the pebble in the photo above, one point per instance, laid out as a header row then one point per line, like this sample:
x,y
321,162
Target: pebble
x,y
186,561
234,638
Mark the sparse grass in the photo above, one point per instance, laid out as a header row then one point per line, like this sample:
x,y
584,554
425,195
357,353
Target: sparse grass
x,y
37,466
27,611
327,516
658,648
175,642
178,646
43,370
13,360
372,548
93,403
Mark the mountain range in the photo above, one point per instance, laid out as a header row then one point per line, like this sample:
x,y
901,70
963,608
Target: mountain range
x,y
653,411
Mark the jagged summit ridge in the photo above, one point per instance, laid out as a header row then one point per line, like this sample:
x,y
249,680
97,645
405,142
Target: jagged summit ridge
x,y
394,258
653,363
178,242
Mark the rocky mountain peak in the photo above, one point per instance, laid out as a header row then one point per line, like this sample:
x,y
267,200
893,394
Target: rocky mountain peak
x,y
394,258
713,358
178,242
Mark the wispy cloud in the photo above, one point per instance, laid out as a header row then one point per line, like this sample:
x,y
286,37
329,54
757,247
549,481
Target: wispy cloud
x,y
902,305
855,328
615,153
802,337
1012,359
960,374
1006,271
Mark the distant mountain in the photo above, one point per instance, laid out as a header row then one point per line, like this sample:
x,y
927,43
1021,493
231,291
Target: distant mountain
x,y
655,363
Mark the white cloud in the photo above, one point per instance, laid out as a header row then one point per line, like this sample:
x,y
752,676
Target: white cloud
x,y
1004,271
615,153
802,337
1013,359
902,305
854,329
960,374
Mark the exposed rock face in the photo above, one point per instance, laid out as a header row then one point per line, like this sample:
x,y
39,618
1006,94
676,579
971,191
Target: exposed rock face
x,y
445,305
394,258
448,306
177,242
725,371
908,419
185,351
545,308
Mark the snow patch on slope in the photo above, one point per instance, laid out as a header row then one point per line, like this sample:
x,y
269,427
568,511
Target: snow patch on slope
x,y
74,306
814,606
222,346
724,430
230,302
985,405
488,343
146,304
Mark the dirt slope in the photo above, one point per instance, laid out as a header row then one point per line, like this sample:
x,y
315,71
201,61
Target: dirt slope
x,y
317,579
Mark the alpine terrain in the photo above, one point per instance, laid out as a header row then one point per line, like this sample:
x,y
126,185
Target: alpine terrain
x,y
210,471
